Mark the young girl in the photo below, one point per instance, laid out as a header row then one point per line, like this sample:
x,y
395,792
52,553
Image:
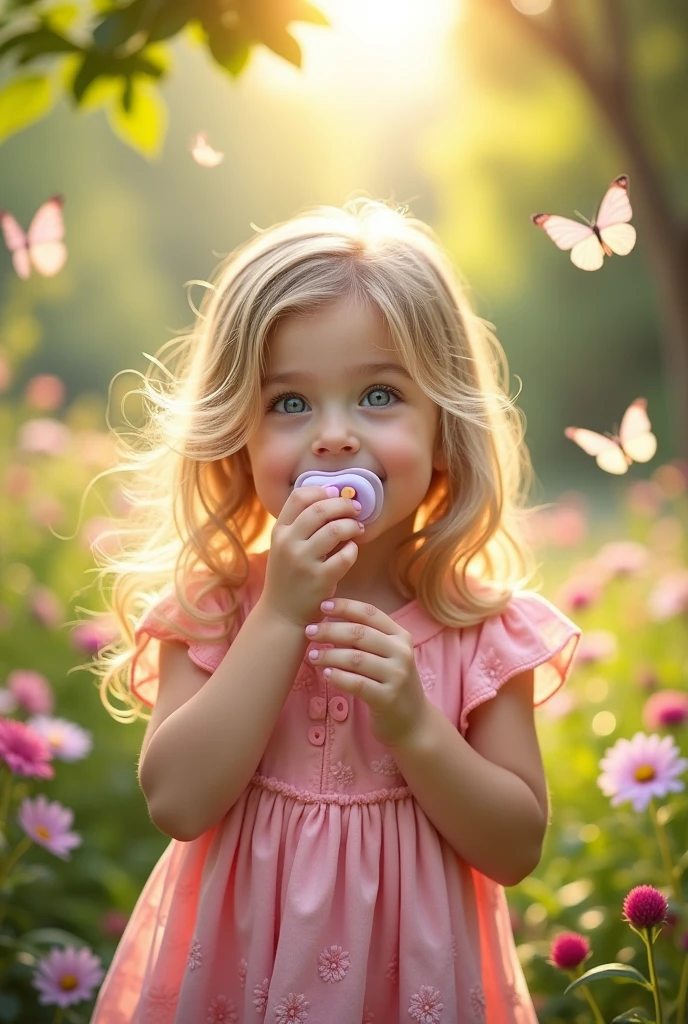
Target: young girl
x,y
341,745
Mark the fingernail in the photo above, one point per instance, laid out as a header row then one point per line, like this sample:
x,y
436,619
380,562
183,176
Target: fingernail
x,y
356,504
332,491
311,630
362,526
327,606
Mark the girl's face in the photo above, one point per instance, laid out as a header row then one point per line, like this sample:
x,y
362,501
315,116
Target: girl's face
x,y
331,410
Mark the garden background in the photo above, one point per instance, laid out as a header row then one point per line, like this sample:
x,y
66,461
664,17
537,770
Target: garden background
x,y
475,115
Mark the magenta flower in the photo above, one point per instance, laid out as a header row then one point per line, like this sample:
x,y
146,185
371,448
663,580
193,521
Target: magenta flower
x,y
24,751
113,923
67,976
579,592
31,690
666,709
46,607
68,742
91,636
670,596
569,950
622,558
48,823
645,907
641,769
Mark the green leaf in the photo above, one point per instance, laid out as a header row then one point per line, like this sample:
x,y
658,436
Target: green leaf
x,y
51,937
620,971
60,17
634,1016
162,22
118,27
38,43
144,123
24,101
305,11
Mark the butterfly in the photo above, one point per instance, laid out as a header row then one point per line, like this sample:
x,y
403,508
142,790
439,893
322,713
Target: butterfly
x,y
203,154
635,441
590,243
41,246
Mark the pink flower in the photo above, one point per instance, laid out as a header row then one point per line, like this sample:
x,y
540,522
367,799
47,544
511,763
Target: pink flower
x,y
579,592
568,950
45,392
5,371
665,709
46,607
18,481
92,635
645,498
48,823
641,769
24,751
44,510
568,525
44,437
622,558
596,645
68,742
645,907
670,596
672,478
67,976
113,923
32,691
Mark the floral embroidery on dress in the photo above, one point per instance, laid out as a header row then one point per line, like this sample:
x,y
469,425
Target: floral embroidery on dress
x,y
453,947
222,1011
513,996
292,1008
368,1017
333,963
342,773
425,1006
260,996
392,971
160,1002
491,666
478,1002
305,678
243,967
385,766
427,679
194,958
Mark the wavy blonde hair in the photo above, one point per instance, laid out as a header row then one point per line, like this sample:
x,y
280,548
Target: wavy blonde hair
x,y
194,508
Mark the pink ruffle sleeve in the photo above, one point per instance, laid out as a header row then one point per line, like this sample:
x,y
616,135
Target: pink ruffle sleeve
x,y
161,622
529,633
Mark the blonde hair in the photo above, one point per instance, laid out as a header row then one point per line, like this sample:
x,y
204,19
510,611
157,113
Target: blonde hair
x,y
194,508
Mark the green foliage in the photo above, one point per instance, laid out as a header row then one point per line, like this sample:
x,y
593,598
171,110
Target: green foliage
x,y
123,42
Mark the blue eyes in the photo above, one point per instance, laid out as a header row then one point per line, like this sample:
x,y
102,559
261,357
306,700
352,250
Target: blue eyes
x,y
383,388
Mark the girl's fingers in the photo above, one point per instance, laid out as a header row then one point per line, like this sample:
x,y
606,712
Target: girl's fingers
x,y
349,634
353,663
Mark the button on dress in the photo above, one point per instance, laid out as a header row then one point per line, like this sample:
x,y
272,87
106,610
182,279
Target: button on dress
x,y
325,895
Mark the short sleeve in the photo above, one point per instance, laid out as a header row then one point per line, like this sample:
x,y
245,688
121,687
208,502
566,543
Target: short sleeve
x,y
529,633
167,620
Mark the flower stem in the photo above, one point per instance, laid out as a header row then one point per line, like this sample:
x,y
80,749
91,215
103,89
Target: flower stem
x,y
593,1005
19,850
6,795
666,854
59,1015
647,938
682,993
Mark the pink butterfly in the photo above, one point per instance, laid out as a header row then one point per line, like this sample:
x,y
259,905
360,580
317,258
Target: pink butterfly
x,y
203,154
41,246
590,243
635,441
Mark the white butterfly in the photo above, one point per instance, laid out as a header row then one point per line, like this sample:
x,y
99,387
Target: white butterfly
x,y
635,442
41,247
204,154
590,243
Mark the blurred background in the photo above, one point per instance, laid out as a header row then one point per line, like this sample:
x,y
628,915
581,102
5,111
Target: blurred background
x,y
475,115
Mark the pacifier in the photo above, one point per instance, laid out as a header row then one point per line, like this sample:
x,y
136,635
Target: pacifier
x,y
360,484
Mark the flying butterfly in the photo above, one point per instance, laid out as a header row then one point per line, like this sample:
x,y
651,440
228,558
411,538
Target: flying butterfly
x,y
635,441
589,243
41,247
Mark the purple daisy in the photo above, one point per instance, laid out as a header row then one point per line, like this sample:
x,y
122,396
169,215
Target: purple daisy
x,y
640,769
68,742
67,976
24,751
48,823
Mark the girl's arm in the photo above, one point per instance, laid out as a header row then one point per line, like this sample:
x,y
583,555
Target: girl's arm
x,y
486,794
201,756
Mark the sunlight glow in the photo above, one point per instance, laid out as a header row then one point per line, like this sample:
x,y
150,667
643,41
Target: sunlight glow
x,y
371,47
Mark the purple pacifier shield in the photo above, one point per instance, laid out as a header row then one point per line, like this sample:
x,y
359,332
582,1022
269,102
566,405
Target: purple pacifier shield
x,y
367,485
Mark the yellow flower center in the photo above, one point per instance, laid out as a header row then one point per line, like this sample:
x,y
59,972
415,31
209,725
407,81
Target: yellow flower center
x,y
43,831
644,773
68,981
55,739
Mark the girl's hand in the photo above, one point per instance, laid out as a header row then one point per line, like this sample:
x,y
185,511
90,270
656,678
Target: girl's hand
x,y
372,658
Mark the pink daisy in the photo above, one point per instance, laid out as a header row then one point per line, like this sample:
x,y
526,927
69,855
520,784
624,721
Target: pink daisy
x,y
665,709
641,769
24,751
47,823
32,691
68,742
67,976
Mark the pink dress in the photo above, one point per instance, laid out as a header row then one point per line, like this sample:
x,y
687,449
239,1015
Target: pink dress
x,y
325,895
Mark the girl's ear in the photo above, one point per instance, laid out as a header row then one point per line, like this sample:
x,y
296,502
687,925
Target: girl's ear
x,y
439,460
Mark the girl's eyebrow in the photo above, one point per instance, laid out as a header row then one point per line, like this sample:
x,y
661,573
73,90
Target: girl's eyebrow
x,y
363,370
